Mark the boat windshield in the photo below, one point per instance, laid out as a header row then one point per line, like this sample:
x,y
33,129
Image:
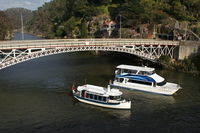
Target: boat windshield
x,y
161,83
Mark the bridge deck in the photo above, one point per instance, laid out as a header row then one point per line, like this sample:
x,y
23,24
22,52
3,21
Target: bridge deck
x,y
52,43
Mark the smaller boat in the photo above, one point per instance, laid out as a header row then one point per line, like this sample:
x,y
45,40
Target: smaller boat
x,y
100,96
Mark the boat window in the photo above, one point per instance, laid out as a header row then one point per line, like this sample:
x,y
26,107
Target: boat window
x,y
91,96
83,93
133,71
152,72
95,97
154,84
121,80
104,99
87,95
100,98
125,71
118,97
140,82
144,73
161,83
118,71
114,97
111,98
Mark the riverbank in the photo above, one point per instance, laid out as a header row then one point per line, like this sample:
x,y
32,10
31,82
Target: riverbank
x,y
190,65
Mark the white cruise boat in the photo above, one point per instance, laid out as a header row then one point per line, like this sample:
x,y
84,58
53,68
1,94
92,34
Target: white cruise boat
x,y
143,79
100,96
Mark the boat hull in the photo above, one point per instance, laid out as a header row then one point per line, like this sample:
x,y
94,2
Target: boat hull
x,y
157,90
122,105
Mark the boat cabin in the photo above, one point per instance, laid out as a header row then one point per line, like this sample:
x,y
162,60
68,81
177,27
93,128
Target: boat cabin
x,y
138,75
134,70
99,94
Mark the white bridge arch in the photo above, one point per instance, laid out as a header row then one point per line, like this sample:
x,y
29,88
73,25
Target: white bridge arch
x,y
14,52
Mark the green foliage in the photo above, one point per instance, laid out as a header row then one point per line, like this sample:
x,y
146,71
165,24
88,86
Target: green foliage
x,y
103,9
69,27
99,2
191,65
60,32
50,35
84,31
197,30
14,14
5,26
62,17
52,16
196,61
186,65
164,59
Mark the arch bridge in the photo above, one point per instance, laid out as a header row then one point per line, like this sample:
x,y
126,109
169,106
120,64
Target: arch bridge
x,y
14,52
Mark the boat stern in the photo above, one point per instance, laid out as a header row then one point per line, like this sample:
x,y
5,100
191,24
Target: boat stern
x,y
171,88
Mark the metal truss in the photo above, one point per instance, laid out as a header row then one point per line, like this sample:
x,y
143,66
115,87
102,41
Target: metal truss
x,y
150,52
155,50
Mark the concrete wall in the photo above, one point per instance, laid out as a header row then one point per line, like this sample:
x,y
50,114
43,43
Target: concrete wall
x,y
188,49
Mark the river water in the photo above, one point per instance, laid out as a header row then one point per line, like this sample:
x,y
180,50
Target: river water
x,y
35,98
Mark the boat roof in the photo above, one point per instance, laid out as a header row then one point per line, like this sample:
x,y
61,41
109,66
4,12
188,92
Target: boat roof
x,y
100,90
139,68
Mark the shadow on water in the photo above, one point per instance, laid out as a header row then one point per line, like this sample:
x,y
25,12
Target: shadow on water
x,y
112,113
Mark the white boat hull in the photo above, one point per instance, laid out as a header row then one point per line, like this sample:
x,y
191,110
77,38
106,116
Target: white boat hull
x,y
168,89
121,105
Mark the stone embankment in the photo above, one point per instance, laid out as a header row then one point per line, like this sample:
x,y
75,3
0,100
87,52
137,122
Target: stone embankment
x,y
188,49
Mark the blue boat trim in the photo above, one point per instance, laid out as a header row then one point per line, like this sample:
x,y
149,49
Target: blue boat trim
x,y
95,101
136,77
138,90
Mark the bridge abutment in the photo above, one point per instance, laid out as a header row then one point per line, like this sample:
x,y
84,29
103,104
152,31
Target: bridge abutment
x,y
188,49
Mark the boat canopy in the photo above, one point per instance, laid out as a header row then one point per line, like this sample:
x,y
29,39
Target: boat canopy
x,y
100,90
138,68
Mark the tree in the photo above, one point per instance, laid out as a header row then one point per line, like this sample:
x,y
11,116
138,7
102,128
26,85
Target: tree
x,y
14,14
56,17
84,29
70,26
5,26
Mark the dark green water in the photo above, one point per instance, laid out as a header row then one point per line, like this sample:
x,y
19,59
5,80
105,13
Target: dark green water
x,y
35,98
